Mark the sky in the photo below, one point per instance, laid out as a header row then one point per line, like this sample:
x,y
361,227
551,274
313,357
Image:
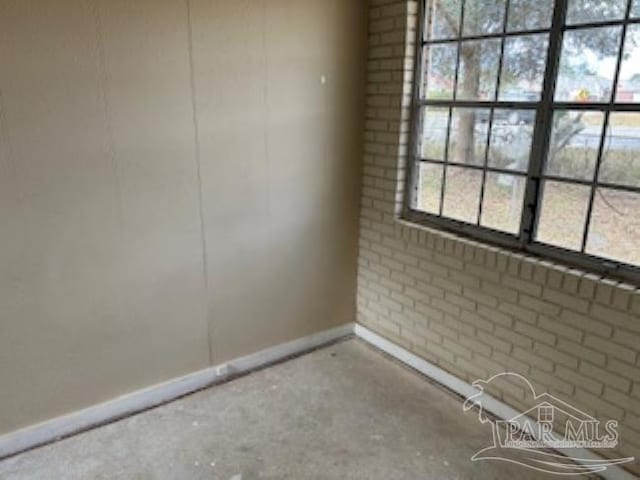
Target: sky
x,y
630,65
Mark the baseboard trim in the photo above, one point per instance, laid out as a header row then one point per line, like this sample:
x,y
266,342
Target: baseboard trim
x,y
57,428
496,407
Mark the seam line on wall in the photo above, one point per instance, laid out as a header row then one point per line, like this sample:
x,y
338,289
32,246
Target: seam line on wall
x,y
103,78
196,134
267,112
95,416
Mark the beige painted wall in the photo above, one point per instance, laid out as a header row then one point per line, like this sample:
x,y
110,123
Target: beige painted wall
x,y
177,187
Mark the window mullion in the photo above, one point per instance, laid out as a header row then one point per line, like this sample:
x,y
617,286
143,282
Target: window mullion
x,y
443,185
542,132
490,123
605,128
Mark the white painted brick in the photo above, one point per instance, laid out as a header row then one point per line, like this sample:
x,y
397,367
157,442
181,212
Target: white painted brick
x,y
482,272
609,348
464,279
569,301
623,337
474,345
605,376
429,312
518,312
510,363
586,323
621,399
446,307
555,326
494,342
455,347
463,329
623,369
604,291
460,301
531,358
549,381
589,384
441,352
447,285
431,291
555,355
537,305
522,285
490,366
513,337
594,403
480,297
476,321
581,352
535,333
406,301
474,368
499,291
495,316
444,330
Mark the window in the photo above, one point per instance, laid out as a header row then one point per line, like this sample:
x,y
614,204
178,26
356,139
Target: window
x,y
527,127
545,414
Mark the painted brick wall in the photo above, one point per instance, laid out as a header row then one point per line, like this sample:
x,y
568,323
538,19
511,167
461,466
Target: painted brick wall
x,y
472,309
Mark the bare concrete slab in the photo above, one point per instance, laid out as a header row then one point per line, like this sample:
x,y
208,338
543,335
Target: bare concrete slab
x,y
342,412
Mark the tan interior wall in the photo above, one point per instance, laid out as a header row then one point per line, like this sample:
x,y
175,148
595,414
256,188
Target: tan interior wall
x,y
178,186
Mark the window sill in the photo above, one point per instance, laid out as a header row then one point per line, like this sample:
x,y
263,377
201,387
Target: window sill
x,y
527,266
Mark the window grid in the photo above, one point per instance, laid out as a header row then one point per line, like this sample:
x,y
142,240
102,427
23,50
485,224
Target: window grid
x,y
492,111
454,103
545,108
605,127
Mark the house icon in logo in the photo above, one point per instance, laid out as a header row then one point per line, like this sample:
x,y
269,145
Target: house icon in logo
x,y
551,421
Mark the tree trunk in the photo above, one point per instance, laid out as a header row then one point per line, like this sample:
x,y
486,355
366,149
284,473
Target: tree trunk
x,y
464,151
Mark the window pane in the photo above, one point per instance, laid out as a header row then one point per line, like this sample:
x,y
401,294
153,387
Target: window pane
x,y
462,194
429,187
444,18
621,154
575,141
483,16
511,137
586,11
523,68
478,73
440,69
635,8
434,132
629,82
468,137
563,214
615,227
529,15
502,202
587,64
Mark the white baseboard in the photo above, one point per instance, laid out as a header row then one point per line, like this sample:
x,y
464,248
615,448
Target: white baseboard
x,y
60,427
496,407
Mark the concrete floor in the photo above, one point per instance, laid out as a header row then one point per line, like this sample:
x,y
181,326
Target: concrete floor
x,y
343,412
